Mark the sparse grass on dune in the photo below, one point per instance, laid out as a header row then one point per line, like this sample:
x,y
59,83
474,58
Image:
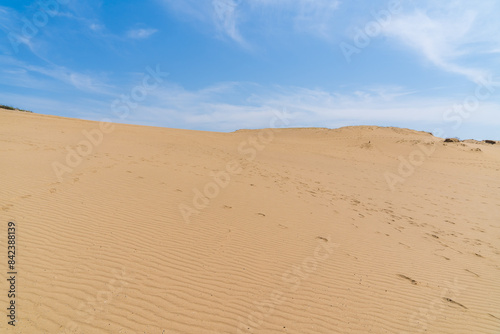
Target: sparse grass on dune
x,y
2,106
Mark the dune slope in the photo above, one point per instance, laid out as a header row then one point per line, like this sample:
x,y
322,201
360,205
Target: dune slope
x,y
132,229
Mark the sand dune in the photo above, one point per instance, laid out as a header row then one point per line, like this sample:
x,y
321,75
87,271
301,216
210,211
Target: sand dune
x,y
132,229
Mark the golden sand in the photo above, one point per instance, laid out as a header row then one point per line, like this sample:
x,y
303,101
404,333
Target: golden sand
x,y
134,229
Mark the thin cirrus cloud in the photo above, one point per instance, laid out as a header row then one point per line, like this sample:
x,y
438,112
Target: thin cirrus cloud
x,y
223,15
141,33
231,18
303,16
10,26
22,74
214,107
307,107
447,34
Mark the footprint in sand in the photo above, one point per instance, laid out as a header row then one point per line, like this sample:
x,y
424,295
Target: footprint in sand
x,y
453,302
408,278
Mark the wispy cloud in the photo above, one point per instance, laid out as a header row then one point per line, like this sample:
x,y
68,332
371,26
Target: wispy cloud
x,y
96,27
10,24
141,33
314,17
225,17
23,29
81,81
232,17
230,106
26,75
447,34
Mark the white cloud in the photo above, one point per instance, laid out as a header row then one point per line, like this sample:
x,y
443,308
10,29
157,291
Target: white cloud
x,y
46,77
447,33
141,33
225,16
306,16
11,26
96,27
230,16
216,108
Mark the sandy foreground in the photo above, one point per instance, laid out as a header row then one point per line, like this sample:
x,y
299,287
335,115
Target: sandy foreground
x,y
133,229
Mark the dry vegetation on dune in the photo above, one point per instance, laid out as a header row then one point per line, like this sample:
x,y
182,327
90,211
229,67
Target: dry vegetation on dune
x,y
12,108
132,229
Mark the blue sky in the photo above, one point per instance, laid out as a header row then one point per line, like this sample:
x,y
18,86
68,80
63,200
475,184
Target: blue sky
x,y
230,64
